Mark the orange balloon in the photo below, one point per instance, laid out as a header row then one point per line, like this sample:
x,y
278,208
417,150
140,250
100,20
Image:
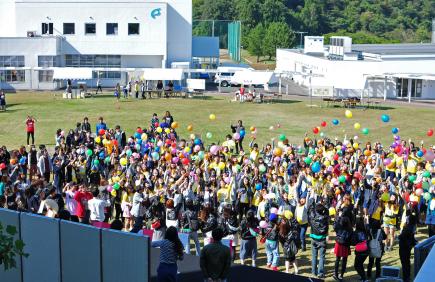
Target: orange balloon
x,y
367,153
189,127
174,125
277,152
168,157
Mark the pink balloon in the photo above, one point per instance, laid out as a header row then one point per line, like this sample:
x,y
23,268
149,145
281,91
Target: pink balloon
x,y
419,192
277,159
236,136
160,143
274,210
175,160
387,161
109,188
214,149
197,148
429,156
227,180
263,224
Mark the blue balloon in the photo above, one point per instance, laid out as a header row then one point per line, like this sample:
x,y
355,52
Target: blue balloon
x,y
258,186
23,161
101,155
137,135
335,122
395,130
385,118
420,154
315,167
197,141
242,133
157,149
139,141
155,156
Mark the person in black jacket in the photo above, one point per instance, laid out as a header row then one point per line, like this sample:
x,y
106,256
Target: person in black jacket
x,y
374,231
208,222
248,233
343,231
359,238
318,217
271,235
407,241
289,231
189,224
230,225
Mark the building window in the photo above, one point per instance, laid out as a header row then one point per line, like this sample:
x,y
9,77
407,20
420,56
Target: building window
x,y
112,29
68,28
47,28
47,61
46,76
102,61
13,75
133,29
107,75
12,61
90,29
416,88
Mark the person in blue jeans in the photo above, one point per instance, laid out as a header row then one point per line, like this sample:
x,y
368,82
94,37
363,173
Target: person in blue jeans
x,y
318,217
271,234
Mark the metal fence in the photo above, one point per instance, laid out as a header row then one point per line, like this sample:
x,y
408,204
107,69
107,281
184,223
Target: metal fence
x,y
66,251
421,251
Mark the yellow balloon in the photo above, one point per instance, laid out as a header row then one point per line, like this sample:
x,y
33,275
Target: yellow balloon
x,y
433,181
348,114
159,129
355,146
167,130
123,161
98,139
327,163
192,136
221,165
288,214
144,136
332,211
212,117
187,150
357,125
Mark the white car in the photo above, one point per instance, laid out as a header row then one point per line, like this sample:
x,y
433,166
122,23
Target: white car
x,y
225,74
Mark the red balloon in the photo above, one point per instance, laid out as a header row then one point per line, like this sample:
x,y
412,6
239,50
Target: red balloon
x,y
424,151
174,145
185,161
419,185
2,166
398,149
102,132
139,130
323,124
357,175
156,124
315,130
430,132
336,156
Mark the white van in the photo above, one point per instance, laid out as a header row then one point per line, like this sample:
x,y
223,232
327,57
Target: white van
x,y
225,75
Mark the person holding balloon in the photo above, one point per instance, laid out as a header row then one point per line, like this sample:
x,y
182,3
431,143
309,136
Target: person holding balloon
x,y
238,135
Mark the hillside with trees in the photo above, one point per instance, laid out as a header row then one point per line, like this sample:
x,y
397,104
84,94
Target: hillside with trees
x,y
268,24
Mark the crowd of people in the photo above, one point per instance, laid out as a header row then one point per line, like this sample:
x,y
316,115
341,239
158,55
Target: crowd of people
x,y
284,196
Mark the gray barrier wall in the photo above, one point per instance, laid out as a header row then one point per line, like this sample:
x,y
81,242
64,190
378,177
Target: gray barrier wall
x,y
8,217
65,251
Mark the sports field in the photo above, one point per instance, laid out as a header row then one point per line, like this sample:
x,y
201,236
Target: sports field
x,y
290,117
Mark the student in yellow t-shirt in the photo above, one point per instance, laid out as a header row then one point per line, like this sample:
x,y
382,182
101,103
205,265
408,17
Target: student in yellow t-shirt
x,y
390,220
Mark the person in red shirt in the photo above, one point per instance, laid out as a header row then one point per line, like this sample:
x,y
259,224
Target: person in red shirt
x,y
82,197
30,128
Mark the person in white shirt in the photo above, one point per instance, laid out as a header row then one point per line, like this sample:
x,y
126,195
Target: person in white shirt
x,y
96,207
71,203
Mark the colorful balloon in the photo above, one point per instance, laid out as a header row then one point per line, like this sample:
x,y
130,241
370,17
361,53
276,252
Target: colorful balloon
x,y
335,121
348,114
323,124
385,118
357,126
212,117
394,130
209,135
365,131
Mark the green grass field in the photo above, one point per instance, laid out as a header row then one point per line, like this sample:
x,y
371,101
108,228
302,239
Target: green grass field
x,y
294,117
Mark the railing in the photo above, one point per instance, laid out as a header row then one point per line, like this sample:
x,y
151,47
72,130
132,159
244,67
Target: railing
x,y
421,251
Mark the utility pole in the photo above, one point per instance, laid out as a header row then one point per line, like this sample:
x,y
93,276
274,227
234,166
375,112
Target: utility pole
x,y
300,35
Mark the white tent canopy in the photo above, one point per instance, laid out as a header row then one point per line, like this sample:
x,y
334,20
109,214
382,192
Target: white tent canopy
x,y
72,73
254,77
163,74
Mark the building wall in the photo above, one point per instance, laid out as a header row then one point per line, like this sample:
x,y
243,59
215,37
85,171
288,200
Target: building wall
x,y
349,77
7,18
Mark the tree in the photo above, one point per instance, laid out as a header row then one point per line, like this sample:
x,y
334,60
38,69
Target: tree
x,y
255,41
278,35
9,248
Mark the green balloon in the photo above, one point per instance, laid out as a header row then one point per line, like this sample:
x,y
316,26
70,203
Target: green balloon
x,y
238,167
412,178
427,196
107,160
201,155
300,151
116,186
308,160
340,152
209,135
365,131
282,137
262,168
312,151
89,152
342,179
129,152
426,174
96,162
426,186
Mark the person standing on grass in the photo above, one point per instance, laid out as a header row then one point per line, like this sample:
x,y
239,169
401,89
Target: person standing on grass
x,y
237,129
2,100
343,231
360,240
100,125
215,259
30,129
318,217
407,241
99,87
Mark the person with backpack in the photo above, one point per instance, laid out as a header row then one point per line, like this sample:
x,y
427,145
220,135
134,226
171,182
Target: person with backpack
x,y
248,232
376,248
360,241
289,237
318,217
270,239
189,224
343,231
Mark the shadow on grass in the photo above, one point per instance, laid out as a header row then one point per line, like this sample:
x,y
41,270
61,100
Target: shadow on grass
x,y
364,108
207,98
282,102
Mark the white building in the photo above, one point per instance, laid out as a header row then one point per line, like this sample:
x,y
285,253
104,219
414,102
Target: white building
x,y
367,70
112,37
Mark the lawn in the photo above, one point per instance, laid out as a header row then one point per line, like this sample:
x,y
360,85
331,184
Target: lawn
x,y
293,117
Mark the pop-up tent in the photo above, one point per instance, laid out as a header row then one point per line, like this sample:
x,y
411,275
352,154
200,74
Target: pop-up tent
x,y
72,73
163,74
254,77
